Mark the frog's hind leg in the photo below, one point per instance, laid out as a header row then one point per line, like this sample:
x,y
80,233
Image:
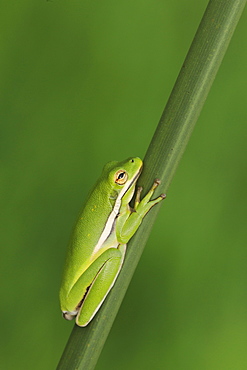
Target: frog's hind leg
x,y
100,287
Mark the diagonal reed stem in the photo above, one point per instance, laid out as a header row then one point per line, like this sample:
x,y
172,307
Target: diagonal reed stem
x,y
164,153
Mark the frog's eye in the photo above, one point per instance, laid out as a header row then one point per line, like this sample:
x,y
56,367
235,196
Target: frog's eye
x,y
120,177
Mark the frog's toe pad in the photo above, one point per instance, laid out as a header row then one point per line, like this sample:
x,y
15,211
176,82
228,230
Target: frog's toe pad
x,y
69,315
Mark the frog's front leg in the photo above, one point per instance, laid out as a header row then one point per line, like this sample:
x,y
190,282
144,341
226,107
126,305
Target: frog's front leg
x,y
92,287
127,227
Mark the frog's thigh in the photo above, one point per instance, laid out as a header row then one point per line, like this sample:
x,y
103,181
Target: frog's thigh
x,y
100,287
84,281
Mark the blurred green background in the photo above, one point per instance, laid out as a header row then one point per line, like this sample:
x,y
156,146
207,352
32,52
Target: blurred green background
x,y
85,82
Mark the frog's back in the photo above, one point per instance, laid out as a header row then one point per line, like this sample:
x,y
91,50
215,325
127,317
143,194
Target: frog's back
x,y
87,231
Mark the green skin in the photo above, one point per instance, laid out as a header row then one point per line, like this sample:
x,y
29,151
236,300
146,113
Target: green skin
x,y
98,243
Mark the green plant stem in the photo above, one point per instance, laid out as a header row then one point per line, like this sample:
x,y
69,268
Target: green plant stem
x,y
161,160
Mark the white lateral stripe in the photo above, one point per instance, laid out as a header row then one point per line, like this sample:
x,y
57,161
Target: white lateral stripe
x,y
111,219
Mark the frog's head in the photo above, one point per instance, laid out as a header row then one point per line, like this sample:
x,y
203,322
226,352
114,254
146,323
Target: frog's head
x,y
123,174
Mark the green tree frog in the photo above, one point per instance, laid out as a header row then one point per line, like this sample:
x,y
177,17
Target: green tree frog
x,y
98,244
